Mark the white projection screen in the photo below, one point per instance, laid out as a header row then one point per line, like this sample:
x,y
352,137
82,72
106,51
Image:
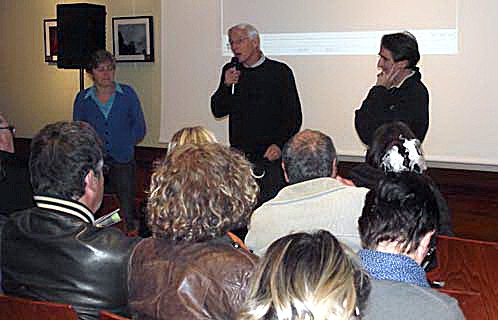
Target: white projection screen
x,y
332,48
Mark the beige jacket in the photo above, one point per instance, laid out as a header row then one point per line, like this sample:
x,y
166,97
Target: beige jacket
x,y
322,203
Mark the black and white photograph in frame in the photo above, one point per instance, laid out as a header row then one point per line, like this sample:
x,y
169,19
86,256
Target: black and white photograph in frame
x,y
50,40
132,39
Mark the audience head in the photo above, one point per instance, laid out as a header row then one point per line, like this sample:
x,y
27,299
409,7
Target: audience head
x,y
66,160
395,148
199,192
306,276
401,212
403,46
191,135
308,155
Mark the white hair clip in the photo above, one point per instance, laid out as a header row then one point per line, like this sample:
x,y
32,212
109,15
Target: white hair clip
x,y
409,158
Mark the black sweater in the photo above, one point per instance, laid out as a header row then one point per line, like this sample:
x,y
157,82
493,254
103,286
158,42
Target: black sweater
x,y
408,103
264,110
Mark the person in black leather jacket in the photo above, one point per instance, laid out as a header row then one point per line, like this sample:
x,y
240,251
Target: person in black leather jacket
x,y
54,251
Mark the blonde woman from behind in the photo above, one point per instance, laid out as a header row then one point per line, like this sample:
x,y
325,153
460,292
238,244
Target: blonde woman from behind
x,y
307,276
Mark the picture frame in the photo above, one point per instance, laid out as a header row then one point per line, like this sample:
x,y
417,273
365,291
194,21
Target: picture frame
x,y
50,40
133,39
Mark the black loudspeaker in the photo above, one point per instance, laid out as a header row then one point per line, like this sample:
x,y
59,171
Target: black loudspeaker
x,y
80,32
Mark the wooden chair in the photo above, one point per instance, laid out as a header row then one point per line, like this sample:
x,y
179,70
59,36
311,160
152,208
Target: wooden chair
x,y
105,315
469,270
12,308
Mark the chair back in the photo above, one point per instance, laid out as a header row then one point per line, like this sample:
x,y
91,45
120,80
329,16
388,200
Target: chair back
x,y
468,269
25,309
105,315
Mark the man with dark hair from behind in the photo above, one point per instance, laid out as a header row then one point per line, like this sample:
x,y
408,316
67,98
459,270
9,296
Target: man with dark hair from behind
x,y
398,220
317,198
54,251
399,94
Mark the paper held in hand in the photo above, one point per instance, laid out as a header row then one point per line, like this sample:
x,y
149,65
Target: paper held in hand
x,y
108,220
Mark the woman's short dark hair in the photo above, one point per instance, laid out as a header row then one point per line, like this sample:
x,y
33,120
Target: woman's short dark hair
x,y
403,46
98,57
401,208
199,192
61,156
384,138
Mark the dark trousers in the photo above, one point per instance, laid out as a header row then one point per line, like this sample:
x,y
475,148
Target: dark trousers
x,y
272,180
120,180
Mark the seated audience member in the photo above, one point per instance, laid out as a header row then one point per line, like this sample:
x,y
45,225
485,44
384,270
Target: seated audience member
x,y
15,188
396,226
395,148
188,135
191,135
317,198
54,251
190,268
307,276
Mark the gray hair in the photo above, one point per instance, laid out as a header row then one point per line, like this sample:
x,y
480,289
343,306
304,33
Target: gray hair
x,y
252,32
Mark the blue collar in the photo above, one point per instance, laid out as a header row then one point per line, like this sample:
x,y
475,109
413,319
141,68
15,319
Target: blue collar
x,y
394,267
104,108
92,92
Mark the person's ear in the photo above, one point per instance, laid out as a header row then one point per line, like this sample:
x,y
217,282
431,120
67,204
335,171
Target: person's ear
x,y
334,168
255,42
403,64
285,172
91,181
423,247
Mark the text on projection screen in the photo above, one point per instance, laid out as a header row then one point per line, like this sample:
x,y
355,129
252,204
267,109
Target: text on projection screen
x,y
340,27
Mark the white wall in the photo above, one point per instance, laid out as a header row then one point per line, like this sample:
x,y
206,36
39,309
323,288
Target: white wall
x,y
462,131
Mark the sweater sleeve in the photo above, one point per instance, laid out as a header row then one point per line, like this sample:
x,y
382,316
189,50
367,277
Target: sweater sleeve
x,y
78,110
222,100
409,103
138,126
291,106
372,113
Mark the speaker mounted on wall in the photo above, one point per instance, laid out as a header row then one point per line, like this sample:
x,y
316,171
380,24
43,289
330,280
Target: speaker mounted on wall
x,y
80,32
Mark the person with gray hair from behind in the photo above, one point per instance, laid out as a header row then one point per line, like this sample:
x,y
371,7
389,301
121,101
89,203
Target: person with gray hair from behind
x,y
55,251
317,198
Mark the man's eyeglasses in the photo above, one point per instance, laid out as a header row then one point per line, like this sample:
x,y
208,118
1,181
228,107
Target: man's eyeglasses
x,y
237,41
11,128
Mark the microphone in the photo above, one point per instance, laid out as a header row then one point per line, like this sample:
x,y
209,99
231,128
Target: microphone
x,y
234,63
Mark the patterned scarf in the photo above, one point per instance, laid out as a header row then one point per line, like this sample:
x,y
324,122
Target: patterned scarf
x,y
394,267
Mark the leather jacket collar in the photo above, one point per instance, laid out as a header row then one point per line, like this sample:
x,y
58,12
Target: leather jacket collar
x,y
65,206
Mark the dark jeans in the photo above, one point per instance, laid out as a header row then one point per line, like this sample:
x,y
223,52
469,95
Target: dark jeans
x,y
120,180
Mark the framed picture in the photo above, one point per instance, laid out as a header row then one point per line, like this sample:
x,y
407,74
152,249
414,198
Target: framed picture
x,y
132,39
50,40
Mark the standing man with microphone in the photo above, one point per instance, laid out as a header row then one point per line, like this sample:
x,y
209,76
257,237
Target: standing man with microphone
x,y
259,96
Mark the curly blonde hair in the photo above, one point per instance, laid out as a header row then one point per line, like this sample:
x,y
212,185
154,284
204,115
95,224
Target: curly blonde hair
x,y
191,135
199,192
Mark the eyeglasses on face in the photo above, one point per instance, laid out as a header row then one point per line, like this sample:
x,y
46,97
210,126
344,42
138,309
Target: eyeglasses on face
x,y
10,128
